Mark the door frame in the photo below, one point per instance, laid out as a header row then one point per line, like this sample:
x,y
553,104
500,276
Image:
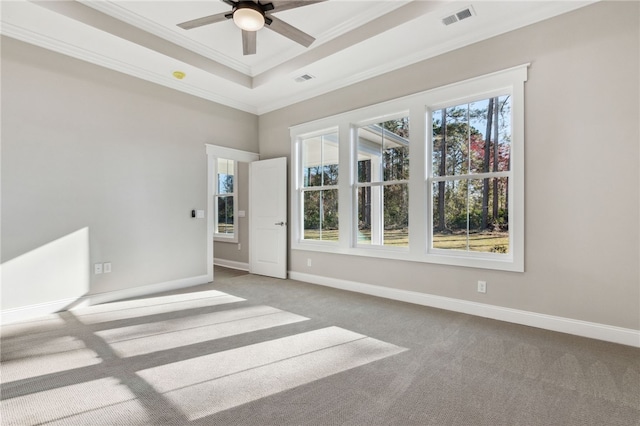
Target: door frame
x,y
214,152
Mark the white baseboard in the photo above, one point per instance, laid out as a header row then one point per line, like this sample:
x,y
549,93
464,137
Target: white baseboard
x,y
30,312
145,290
231,264
25,313
624,336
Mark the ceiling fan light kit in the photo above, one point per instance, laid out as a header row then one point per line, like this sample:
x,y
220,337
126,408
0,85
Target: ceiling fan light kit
x,y
248,16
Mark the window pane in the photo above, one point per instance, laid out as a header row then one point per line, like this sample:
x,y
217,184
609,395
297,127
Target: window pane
x,y
330,159
490,121
225,215
464,137
320,209
366,195
226,171
320,160
383,215
481,125
471,215
367,166
396,149
383,151
312,161
396,215
450,215
438,154
503,158
450,141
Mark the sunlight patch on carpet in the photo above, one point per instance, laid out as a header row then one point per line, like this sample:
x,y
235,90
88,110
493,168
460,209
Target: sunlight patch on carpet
x,y
162,335
35,357
212,383
73,404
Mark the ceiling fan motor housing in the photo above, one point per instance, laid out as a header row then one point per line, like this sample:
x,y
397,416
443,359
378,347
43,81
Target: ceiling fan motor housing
x,y
249,16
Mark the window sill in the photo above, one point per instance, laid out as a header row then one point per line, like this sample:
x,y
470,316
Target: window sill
x,y
473,260
219,239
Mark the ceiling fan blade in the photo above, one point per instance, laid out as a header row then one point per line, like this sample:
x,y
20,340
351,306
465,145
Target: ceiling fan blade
x,y
248,42
211,19
290,32
280,5
230,2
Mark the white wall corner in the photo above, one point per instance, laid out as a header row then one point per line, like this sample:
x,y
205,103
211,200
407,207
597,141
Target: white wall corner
x,y
624,336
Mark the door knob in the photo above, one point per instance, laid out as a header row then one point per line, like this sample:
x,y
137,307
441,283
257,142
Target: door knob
x,y
281,223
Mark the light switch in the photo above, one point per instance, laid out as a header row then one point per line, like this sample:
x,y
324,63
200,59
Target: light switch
x,y
199,214
241,213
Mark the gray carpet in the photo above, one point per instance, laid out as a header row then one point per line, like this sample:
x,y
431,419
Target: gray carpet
x,y
250,350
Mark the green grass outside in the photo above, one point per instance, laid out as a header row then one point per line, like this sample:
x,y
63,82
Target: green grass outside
x,y
480,242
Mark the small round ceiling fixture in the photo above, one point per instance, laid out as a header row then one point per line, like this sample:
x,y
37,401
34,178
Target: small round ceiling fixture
x,y
179,75
248,16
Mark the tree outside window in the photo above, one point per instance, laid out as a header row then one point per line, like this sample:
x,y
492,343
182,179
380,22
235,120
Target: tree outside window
x,y
471,162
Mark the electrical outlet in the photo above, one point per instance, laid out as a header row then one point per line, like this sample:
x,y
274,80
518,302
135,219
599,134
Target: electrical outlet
x,y
309,262
97,268
239,247
106,267
482,286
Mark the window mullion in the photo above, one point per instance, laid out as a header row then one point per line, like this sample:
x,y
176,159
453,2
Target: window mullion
x,y
346,177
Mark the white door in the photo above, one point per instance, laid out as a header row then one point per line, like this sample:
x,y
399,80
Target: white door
x,y
268,217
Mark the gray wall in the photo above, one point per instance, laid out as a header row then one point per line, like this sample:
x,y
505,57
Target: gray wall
x,y
582,161
107,167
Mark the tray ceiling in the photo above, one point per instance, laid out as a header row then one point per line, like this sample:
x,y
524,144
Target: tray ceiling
x,y
355,40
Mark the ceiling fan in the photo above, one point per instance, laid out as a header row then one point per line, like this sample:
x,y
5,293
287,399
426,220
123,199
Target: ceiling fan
x,y
250,16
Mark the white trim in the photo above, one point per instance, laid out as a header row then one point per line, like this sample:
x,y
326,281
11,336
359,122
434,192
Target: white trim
x,y
624,336
30,312
213,152
211,167
116,10
232,264
145,290
231,153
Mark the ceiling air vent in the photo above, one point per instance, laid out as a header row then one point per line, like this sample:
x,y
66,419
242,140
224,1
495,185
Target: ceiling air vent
x,y
303,78
458,16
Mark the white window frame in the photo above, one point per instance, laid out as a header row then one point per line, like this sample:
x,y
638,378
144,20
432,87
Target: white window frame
x,y
381,183
299,182
217,236
213,153
509,81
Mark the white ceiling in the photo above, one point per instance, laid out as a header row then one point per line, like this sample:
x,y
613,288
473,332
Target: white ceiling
x,y
355,40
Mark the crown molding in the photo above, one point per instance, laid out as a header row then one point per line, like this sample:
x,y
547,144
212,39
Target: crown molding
x,y
116,11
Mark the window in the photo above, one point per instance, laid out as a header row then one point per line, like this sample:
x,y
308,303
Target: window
x,y
471,153
319,190
225,199
456,152
382,187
